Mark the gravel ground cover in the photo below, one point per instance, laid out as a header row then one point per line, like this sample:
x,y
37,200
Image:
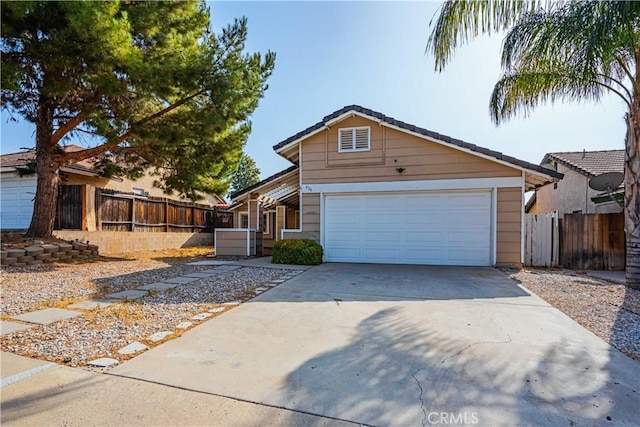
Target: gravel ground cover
x,y
609,310
101,332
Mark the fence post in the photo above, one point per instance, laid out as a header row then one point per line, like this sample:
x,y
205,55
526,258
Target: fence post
x,y
166,215
133,213
193,219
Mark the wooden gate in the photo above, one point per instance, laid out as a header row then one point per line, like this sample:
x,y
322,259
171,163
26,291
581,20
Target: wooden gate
x,y
593,241
69,209
542,242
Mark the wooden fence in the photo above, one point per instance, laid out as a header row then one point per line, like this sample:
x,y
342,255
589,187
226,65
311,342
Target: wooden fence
x,y
70,207
593,241
129,212
542,240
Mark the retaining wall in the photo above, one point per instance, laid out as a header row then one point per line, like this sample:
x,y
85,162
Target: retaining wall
x,y
45,254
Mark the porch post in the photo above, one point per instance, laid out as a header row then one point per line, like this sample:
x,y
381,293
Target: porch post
x,y
255,212
281,218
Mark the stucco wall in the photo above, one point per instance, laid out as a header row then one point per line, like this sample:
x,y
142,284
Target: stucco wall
x,y
122,242
572,194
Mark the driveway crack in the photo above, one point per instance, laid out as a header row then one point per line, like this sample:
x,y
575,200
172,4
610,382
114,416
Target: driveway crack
x,y
421,398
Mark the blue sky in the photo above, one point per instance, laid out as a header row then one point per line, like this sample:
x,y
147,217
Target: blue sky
x,y
332,54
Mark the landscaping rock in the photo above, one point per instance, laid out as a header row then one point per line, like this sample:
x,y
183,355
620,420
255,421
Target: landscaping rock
x,y
15,253
25,258
49,249
34,250
103,362
43,256
159,336
79,246
134,347
3,254
184,325
9,261
64,247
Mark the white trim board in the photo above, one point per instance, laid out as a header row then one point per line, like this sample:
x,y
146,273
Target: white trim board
x,y
438,184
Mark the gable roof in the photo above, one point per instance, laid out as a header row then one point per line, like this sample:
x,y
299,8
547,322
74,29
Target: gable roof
x,y
589,163
13,160
263,182
444,139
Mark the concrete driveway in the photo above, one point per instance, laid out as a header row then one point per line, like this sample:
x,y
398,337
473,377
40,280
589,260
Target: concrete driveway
x,y
405,346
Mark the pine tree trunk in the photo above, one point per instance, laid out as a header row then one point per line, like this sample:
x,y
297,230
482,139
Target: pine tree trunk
x,y
47,170
632,196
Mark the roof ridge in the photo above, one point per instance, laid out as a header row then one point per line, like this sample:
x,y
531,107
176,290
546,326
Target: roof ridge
x,y
419,130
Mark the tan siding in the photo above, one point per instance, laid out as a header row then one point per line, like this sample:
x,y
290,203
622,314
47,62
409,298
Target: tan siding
x,y
509,226
311,216
390,149
231,243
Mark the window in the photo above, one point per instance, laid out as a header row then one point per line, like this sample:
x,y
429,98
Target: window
x,y
354,139
138,191
265,223
243,220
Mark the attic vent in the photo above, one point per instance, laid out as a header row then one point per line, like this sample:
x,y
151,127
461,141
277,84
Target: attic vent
x,y
354,139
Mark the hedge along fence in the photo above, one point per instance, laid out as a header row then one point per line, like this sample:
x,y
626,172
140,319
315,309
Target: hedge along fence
x,y
117,211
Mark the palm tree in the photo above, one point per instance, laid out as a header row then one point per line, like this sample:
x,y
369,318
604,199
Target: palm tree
x,y
555,50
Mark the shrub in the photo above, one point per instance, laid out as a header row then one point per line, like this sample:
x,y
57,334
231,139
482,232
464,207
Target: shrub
x,y
299,251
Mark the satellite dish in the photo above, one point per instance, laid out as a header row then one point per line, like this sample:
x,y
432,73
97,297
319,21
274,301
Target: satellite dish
x,y
607,181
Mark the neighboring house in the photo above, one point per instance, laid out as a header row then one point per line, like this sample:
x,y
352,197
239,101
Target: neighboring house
x,y
572,194
17,192
373,189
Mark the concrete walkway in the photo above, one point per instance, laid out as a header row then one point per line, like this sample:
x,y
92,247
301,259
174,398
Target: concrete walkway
x,y
612,276
401,345
58,395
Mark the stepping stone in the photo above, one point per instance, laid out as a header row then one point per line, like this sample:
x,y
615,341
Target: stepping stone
x,y
47,316
210,271
133,348
201,316
278,281
158,286
217,310
159,336
260,289
91,304
212,262
130,294
11,327
272,285
199,275
184,325
103,362
257,292
181,280
228,267
231,303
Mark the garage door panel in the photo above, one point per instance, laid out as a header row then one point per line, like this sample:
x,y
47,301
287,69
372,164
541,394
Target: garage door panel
x,y
408,228
383,255
16,196
381,236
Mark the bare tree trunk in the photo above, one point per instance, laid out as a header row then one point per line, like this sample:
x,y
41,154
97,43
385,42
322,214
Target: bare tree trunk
x,y
47,170
632,196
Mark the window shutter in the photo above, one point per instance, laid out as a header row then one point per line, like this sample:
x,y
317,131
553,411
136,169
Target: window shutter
x,y
346,139
362,139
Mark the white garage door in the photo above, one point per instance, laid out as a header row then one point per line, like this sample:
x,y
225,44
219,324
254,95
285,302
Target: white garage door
x,y
409,228
16,201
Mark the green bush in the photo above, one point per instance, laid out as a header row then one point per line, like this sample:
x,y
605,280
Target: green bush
x,y
299,252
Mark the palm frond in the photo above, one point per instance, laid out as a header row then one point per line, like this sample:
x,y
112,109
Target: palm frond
x,y
591,38
461,20
518,92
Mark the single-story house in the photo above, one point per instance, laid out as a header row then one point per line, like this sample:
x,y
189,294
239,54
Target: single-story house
x,y
17,192
372,189
572,194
